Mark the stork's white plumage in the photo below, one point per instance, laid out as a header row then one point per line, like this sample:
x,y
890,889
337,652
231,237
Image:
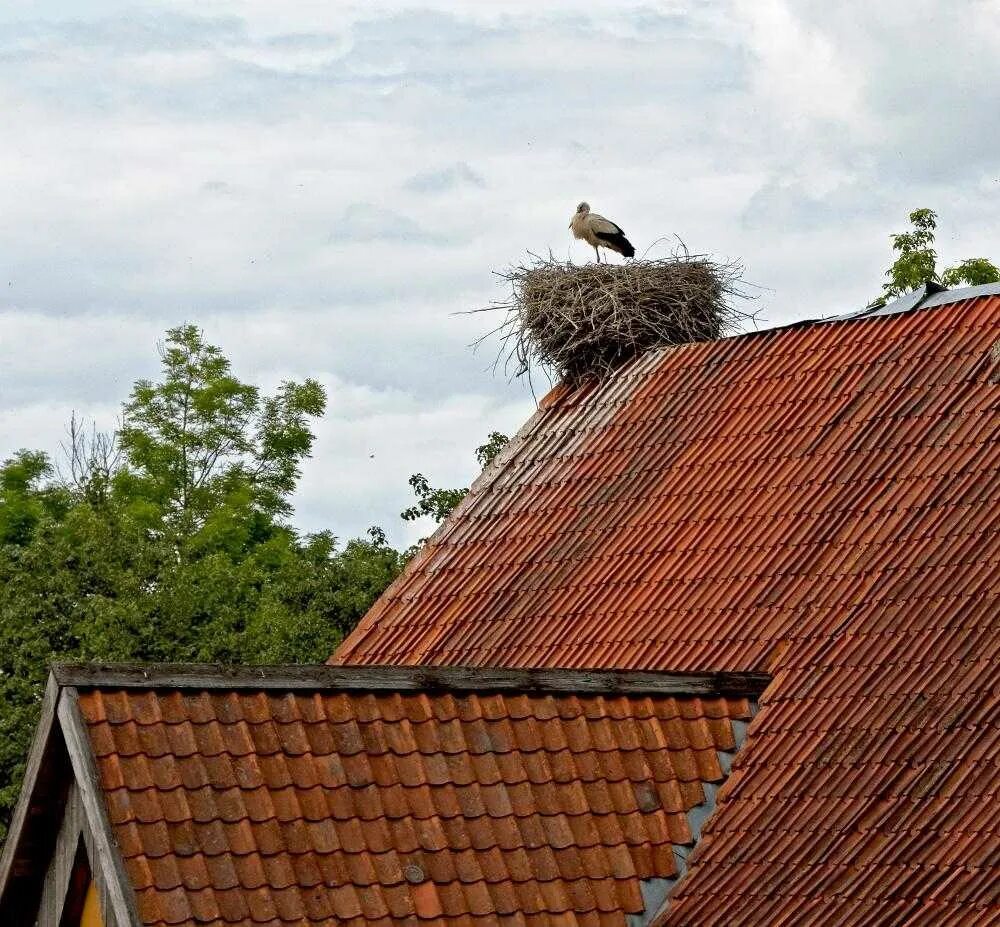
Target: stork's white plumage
x,y
599,232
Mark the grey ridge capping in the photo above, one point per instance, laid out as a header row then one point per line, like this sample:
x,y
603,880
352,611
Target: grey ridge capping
x,y
929,296
406,678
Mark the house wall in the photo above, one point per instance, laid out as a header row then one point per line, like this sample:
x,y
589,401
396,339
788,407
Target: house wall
x,y
91,916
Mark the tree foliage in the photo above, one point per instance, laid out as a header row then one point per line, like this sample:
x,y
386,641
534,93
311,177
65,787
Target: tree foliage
x,y
439,503
916,261
167,541
24,500
201,439
971,272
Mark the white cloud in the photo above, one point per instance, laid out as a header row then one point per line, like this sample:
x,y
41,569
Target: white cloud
x,y
324,185
445,179
367,222
371,441
800,70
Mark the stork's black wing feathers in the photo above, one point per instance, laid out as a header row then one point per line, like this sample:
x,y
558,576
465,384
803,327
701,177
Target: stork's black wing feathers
x,y
617,241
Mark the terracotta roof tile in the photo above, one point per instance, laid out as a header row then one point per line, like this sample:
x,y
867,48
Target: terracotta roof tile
x,y
467,808
819,502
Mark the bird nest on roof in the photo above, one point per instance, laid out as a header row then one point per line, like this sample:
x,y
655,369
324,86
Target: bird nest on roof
x,y
580,323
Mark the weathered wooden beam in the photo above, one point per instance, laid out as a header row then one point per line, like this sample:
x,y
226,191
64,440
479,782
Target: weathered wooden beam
x,y
16,884
62,863
108,866
404,678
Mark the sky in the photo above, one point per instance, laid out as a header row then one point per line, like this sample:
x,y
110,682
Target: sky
x,y
326,187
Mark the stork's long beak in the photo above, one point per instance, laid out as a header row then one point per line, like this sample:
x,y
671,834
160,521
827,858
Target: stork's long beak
x,y
570,225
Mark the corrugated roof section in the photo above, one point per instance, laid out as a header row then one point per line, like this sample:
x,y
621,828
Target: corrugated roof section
x,y
820,502
244,807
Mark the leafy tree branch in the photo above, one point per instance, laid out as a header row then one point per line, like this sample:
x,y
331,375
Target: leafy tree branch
x,y
440,503
916,262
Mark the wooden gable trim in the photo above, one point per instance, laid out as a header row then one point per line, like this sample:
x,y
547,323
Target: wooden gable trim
x,y
76,839
118,901
63,862
37,815
409,678
80,882
41,745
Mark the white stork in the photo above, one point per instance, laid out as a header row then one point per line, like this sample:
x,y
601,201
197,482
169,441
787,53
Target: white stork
x,y
599,232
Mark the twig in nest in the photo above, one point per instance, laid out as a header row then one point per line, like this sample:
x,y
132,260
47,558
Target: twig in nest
x,y
581,323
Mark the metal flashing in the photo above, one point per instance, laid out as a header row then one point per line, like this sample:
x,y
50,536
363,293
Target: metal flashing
x,y
930,296
697,817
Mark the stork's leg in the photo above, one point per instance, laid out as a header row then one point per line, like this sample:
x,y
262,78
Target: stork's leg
x,y
598,253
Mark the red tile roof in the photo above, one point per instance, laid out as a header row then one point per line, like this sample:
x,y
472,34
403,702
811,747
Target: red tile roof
x,y
386,808
821,502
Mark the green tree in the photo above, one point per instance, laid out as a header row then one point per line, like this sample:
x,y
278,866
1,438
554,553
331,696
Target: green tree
x,y
24,502
916,261
200,439
439,503
971,272
168,540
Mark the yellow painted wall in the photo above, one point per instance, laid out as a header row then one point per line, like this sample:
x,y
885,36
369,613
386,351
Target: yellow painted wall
x,y
91,916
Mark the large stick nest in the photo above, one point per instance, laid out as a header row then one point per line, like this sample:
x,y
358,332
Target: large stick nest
x,y
582,322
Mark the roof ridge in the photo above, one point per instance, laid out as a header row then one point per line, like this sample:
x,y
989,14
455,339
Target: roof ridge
x,y
929,296
407,678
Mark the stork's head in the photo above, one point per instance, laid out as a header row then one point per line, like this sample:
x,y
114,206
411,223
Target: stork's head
x,y
583,209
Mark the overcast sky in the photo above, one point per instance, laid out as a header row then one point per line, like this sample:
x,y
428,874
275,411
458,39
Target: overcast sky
x,y
322,185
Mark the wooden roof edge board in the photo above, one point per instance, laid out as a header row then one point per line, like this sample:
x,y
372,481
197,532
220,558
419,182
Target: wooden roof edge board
x,y
408,678
41,746
109,866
